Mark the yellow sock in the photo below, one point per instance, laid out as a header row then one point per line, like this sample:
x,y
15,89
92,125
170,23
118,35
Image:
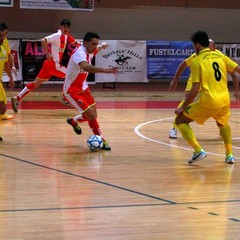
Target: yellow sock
x,y
189,136
226,134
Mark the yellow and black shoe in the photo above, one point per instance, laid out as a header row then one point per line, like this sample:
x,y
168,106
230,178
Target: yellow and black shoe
x,y
77,129
105,146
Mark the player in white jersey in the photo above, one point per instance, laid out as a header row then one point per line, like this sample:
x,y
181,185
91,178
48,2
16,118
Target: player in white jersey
x,y
52,66
76,89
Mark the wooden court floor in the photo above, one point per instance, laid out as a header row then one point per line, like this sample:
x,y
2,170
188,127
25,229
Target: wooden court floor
x,y
52,187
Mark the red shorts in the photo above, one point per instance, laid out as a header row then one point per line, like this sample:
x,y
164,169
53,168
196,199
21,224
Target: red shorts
x,y
81,100
48,70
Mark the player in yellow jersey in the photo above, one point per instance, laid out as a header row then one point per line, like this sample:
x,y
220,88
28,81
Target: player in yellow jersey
x,y
3,65
6,67
173,85
209,79
10,57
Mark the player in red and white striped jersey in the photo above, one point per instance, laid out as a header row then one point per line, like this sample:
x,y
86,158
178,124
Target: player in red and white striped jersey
x,y
76,88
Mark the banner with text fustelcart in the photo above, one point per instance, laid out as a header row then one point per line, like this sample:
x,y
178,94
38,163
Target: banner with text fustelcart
x,y
14,45
128,56
164,57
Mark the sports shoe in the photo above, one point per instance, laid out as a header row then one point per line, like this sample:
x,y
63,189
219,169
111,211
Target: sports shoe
x,y
1,138
6,117
14,104
197,156
229,159
105,146
76,127
173,133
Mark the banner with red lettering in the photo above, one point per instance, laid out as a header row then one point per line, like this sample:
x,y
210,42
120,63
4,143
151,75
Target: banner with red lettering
x,y
33,57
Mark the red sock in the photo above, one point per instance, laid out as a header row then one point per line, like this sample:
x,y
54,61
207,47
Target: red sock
x,y
95,127
31,86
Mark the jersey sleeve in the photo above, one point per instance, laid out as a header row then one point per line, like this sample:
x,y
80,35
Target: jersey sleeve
x,y
80,56
53,37
195,72
188,61
7,46
70,39
231,65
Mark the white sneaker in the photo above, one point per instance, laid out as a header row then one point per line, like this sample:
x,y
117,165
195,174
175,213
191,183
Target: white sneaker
x,y
173,133
197,156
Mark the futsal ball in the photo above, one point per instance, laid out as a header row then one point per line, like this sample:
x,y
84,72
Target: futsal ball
x,y
94,142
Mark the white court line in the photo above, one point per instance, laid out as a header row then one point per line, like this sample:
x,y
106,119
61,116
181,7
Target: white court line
x,y
136,130
235,146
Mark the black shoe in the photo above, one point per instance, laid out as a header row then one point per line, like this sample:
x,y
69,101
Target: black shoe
x,y
76,127
1,139
105,146
15,103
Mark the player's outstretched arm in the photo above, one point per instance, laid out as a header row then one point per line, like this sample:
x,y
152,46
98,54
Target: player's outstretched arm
x,y
173,84
45,48
102,46
235,79
93,69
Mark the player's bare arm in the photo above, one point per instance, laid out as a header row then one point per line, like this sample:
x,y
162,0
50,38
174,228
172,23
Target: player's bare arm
x,y
45,48
173,85
102,46
235,79
191,96
92,69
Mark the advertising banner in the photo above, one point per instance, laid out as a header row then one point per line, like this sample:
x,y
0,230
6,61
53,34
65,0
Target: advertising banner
x,y
82,5
6,3
33,56
14,45
231,50
128,56
163,58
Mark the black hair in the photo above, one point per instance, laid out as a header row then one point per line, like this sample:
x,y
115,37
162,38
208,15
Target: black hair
x,y
65,22
4,25
1,28
200,37
89,35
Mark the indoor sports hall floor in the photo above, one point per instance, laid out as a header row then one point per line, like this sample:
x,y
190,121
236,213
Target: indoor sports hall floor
x,y
52,187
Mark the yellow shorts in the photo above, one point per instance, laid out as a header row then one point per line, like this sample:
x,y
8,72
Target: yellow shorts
x,y
3,96
200,114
